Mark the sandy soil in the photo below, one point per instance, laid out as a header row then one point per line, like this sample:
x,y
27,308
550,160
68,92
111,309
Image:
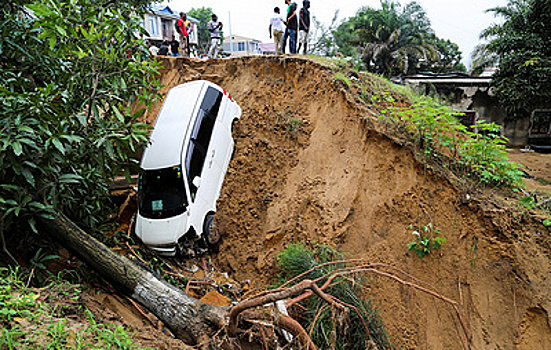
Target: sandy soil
x,y
307,168
537,167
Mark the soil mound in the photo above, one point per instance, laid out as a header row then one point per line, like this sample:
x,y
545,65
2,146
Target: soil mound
x,y
307,168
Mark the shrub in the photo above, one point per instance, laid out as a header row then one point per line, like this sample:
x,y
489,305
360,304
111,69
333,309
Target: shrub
x,y
319,319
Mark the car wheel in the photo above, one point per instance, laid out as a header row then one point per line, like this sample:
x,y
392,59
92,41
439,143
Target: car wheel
x,y
211,231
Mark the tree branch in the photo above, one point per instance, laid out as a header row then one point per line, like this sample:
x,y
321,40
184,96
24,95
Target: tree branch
x,y
275,296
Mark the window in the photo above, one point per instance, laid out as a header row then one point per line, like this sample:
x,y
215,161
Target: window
x,y
201,135
240,46
211,102
541,122
468,118
153,28
161,193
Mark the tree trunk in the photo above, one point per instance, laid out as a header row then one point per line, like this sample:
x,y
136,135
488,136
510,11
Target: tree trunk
x,y
188,318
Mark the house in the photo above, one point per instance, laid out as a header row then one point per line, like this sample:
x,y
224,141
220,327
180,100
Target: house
x,y
241,45
267,48
474,97
160,23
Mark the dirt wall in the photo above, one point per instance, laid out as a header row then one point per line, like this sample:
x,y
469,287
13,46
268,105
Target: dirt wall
x,y
307,168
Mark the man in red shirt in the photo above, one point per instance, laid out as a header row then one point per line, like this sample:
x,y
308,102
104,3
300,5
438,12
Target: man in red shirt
x,y
182,30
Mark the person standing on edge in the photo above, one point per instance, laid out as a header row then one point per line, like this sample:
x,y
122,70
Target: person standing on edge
x,y
181,26
277,25
304,26
189,29
285,35
292,27
214,28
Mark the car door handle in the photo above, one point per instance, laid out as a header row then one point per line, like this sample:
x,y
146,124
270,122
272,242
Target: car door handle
x,y
211,158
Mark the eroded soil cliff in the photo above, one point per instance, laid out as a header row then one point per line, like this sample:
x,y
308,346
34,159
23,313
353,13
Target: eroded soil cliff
x,y
308,168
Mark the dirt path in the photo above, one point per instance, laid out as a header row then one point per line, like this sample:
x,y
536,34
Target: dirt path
x,y
537,167
307,169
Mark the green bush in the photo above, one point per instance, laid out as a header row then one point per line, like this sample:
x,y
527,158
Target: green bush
x,y
320,320
426,239
437,134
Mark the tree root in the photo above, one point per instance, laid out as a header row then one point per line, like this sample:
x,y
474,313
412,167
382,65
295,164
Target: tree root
x,y
294,327
306,288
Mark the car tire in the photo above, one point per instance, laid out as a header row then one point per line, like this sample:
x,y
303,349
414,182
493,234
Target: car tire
x,y
211,232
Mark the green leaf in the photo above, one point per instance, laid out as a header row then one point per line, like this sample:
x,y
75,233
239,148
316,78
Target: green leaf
x,y
81,117
28,176
70,178
547,222
527,201
119,115
11,187
53,41
57,143
26,129
60,30
17,148
32,224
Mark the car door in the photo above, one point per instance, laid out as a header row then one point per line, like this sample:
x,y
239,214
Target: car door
x,y
208,143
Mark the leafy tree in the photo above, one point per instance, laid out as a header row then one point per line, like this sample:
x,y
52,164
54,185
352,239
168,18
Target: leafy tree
x,y
449,57
68,76
522,46
204,15
322,39
396,40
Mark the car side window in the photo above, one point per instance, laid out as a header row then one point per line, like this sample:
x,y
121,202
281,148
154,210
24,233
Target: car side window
x,y
201,135
211,102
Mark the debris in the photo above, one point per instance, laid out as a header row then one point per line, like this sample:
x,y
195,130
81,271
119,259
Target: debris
x,y
215,298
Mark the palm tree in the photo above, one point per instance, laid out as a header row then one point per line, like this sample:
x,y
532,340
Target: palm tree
x,y
392,40
487,54
521,46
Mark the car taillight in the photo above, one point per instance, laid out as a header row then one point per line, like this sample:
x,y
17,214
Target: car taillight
x,y
229,96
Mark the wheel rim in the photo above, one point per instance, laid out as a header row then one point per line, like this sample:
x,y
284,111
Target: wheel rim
x,y
213,232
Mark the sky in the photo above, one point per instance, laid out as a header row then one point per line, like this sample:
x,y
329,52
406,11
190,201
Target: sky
x,y
461,21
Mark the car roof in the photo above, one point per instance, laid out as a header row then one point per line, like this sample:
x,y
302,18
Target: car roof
x,y
171,127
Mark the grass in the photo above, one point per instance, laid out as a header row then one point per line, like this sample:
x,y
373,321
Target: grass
x,y
293,125
27,322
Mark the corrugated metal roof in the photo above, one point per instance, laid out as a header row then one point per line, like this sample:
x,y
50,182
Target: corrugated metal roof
x,y
172,13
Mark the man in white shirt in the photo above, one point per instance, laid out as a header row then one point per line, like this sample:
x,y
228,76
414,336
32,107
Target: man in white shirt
x,y
277,26
214,28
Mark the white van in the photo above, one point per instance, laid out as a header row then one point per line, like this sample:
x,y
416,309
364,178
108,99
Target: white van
x,y
183,168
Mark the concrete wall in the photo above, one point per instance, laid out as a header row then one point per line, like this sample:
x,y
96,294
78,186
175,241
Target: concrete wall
x,y
488,109
479,98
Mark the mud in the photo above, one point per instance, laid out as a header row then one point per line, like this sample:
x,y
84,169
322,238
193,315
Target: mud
x,y
308,168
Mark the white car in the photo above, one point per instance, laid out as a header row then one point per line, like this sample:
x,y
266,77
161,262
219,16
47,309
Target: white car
x,y
183,168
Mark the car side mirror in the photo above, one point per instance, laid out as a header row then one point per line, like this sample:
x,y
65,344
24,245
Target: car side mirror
x,y
196,181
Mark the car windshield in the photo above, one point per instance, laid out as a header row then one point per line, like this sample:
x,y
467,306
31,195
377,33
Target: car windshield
x,y
161,193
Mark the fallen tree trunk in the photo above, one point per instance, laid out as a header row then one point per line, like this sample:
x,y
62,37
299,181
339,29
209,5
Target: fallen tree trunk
x,y
188,318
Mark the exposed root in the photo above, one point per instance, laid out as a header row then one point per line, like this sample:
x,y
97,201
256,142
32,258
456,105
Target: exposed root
x,y
306,288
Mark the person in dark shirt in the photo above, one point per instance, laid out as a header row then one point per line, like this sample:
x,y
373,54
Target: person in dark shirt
x,y
285,33
174,46
304,26
163,51
292,27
